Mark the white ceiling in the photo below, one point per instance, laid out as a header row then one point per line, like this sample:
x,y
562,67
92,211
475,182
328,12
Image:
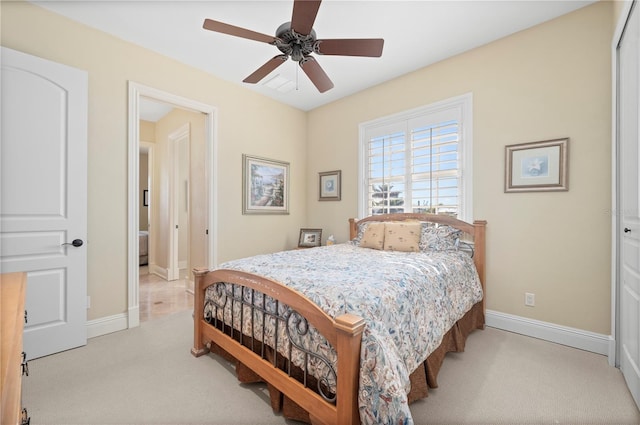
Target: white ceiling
x,y
150,110
416,34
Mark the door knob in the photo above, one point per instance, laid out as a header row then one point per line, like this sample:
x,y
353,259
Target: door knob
x,y
76,242
627,230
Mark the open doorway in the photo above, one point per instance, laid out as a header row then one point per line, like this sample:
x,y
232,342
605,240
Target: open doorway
x,y
165,284
180,194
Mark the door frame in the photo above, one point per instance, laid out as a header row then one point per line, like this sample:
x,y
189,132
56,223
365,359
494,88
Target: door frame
x,y
137,90
614,346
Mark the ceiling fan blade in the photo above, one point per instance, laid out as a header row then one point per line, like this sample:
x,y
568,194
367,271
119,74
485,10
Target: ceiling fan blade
x,y
265,69
371,47
304,15
316,74
217,26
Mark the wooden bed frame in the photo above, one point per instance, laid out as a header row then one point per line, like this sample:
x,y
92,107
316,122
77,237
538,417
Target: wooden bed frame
x,y
344,333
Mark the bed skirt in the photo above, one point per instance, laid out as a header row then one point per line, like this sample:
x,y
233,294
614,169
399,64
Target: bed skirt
x,y
423,378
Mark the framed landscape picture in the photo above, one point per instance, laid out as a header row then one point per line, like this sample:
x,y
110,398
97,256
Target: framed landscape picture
x,y
537,167
265,185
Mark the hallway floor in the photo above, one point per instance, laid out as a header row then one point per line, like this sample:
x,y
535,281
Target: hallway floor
x,y
159,297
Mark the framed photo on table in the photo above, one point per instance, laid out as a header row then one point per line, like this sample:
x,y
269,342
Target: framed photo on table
x,y
537,167
310,238
265,184
329,185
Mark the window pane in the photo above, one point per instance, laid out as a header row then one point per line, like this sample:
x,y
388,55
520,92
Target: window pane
x,y
387,162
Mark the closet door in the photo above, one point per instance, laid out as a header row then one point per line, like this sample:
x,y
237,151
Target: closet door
x,y
628,113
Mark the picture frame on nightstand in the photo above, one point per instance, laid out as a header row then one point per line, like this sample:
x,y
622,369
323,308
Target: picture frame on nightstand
x,y
310,238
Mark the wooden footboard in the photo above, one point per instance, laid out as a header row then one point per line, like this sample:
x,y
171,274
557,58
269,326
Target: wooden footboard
x,y
344,334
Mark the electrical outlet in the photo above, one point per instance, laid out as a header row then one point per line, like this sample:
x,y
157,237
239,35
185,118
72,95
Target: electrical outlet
x,y
529,299
88,301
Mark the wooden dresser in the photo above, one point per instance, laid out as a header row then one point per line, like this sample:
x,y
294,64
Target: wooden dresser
x,y
12,316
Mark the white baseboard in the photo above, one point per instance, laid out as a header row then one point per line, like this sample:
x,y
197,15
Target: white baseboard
x,y
572,337
106,325
159,271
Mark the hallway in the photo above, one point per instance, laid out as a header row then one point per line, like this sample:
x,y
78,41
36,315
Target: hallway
x,y
159,297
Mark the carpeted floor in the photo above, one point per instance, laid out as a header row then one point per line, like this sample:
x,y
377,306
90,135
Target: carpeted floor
x,y
147,375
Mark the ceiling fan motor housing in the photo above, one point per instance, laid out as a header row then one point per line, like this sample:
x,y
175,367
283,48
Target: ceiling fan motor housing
x,y
295,45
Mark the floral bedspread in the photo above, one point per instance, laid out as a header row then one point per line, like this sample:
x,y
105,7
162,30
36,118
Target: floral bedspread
x,y
408,301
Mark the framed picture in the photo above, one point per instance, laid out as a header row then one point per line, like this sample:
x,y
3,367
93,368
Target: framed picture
x,y
310,238
537,167
329,189
265,185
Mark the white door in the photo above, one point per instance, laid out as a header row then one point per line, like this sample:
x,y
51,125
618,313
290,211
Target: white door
x,y
628,113
43,209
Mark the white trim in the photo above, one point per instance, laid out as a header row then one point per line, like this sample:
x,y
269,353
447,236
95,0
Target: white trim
x,y
106,325
159,271
572,337
576,338
614,358
465,102
133,316
137,90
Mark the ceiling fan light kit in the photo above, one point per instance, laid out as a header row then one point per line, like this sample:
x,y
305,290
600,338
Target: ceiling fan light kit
x,y
297,40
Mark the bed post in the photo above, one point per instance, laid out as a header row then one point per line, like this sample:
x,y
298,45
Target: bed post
x,y
479,256
353,228
349,329
198,308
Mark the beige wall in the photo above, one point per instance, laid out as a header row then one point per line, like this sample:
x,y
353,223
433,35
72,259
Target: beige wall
x,y
148,135
618,6
111,63
551,81
147,131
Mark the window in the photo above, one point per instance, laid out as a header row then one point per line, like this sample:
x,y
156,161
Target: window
x,y
418,161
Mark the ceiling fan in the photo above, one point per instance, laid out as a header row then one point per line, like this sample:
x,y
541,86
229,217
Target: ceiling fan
x,y
297,40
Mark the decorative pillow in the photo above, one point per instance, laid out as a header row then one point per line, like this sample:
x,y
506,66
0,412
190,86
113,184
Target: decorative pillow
x,y
440,238
399,236
361,228
424,237
373,236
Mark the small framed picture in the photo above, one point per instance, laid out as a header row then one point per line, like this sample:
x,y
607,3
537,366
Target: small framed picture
x,y
537,167
329,189
310,238
265,186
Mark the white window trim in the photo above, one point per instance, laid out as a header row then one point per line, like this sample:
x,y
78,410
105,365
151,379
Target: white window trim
x,y
465,103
